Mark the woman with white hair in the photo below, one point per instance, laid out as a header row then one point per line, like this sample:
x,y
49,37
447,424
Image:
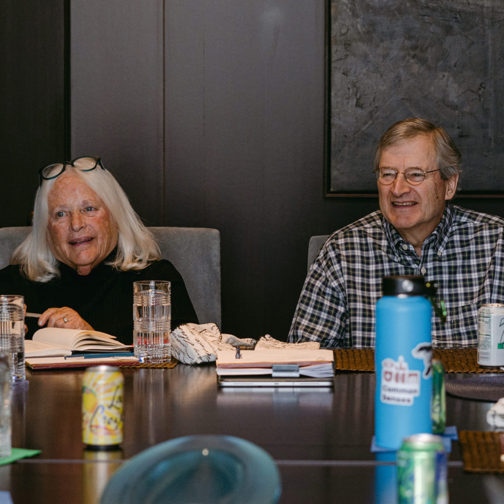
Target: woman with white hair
x,y
86,248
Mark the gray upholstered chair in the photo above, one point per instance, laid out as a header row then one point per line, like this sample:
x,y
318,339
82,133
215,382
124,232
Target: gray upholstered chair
x,y
314,246
10,238
195,252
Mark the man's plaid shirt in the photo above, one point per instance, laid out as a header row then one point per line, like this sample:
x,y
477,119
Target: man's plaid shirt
x,y
464,255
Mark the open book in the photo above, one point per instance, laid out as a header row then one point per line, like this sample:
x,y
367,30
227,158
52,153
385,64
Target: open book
x,y
55,341
282,363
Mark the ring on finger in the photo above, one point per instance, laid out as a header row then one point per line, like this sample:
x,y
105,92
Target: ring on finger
x,y
65,320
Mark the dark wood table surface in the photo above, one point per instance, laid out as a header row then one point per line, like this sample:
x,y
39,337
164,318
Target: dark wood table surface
x,y
319,438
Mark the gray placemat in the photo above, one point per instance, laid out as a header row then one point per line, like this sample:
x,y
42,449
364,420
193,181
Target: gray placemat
x,y
479,387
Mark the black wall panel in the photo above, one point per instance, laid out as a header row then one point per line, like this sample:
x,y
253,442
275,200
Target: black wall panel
x,y
33,104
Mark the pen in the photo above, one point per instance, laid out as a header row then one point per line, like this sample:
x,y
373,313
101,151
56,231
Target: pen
x,y
100,355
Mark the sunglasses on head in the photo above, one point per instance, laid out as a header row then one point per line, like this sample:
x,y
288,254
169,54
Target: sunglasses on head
x,y
83,163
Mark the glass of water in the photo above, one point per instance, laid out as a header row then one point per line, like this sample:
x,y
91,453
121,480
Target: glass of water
x,y
12,332
5,406
152,320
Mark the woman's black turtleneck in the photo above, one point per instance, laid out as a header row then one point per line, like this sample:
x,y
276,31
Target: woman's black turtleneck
x,y
104,298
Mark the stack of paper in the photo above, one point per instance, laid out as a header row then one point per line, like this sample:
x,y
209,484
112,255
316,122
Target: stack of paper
x,y
281,363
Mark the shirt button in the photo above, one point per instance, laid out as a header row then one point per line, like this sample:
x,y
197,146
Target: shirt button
x,y
423,271
440,253
404,246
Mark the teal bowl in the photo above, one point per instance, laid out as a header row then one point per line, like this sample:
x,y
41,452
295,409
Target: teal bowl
x,y
197,470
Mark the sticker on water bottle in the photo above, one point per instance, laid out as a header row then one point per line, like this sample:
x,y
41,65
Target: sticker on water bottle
x,y
423,351
400,384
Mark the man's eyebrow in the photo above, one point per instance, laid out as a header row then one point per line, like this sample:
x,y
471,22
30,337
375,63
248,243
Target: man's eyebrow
x,y
395,169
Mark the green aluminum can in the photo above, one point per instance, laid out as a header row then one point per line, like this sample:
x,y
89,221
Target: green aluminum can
x,y
438,410
422,470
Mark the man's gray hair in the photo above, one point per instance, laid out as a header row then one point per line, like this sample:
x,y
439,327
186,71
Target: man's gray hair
x,y
448,156
136,247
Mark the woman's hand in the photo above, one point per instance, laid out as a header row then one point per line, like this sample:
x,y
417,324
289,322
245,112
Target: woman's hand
x,y
63,317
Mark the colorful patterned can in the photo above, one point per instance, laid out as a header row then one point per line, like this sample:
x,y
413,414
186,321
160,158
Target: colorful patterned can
x,y
491,335
422,470
438,398
102,407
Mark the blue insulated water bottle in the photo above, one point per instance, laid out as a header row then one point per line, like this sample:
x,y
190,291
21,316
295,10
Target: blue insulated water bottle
x,y
403,358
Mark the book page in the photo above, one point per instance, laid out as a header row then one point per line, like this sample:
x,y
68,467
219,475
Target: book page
x,y
39,349
77,339
56,336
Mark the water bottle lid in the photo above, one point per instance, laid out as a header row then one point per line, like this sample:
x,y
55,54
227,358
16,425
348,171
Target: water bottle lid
x,y
407,285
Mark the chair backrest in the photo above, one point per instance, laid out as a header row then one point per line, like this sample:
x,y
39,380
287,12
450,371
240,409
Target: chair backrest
x,y
314,246
10,238
195,252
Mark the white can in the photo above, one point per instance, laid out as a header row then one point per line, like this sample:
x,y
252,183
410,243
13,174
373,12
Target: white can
x,y
491,335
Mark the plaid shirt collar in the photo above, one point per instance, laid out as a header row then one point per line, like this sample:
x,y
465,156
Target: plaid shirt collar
x,y
400,248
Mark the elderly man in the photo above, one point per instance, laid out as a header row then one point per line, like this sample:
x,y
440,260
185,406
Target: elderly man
x,y
415,232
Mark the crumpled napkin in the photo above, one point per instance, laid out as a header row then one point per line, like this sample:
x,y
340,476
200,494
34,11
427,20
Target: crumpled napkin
x,y
495,415
199,343
267,343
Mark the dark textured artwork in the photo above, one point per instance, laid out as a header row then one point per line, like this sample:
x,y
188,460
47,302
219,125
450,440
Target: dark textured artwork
x,y
442,60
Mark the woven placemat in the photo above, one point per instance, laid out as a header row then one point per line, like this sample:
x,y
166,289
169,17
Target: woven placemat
x,y
455,360
354,359
481,451
462,360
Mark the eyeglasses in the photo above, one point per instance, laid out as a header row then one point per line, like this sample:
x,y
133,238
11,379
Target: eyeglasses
x,y
83,163
414,176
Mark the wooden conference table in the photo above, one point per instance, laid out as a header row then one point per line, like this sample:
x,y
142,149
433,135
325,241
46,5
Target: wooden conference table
x,y
320,438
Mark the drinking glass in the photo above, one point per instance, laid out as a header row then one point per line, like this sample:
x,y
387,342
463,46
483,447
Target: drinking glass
x,y
5,406
12,333
152,320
